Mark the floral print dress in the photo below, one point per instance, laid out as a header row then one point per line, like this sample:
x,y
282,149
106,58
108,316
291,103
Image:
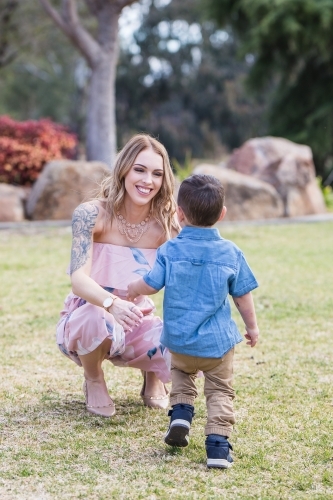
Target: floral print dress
x,y
83,327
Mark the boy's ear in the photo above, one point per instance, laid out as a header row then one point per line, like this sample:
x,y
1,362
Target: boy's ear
x,y
180,214
224,211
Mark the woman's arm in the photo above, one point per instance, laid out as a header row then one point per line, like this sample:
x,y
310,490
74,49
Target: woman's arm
x,y
85,222
83,227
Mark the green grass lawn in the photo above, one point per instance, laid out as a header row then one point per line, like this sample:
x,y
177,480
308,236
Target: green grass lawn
x,y
283,440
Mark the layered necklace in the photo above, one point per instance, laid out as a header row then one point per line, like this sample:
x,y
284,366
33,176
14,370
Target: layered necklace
x,y
133,232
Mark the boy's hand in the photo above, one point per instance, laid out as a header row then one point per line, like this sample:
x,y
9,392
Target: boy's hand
x,y
252,334
132,294
146,310
245,306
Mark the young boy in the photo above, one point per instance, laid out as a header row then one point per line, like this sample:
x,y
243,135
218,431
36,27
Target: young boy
x,y
199,269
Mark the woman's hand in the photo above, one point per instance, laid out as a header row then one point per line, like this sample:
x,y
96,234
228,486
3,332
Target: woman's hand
x,y
126,314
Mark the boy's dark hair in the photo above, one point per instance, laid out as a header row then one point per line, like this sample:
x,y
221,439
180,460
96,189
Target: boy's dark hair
x,y
201,197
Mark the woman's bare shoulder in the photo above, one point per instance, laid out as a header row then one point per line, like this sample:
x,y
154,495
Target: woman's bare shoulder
x,y
89,214
88,205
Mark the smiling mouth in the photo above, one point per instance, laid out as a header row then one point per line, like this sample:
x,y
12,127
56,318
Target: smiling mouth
x,y
143,190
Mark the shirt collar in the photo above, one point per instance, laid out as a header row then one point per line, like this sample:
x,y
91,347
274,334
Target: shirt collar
x,y
200,233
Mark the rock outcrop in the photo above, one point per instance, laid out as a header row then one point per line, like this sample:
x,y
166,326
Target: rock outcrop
x,y
246,197
12,200
62,186
286,166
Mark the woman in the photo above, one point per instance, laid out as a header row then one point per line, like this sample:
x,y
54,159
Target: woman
x,y
115,238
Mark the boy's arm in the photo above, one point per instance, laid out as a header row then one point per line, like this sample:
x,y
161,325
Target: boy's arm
x,y
139,287
152,282
246,309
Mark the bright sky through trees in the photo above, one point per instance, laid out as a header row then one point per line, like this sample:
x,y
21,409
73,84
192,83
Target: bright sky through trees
x,y
131,18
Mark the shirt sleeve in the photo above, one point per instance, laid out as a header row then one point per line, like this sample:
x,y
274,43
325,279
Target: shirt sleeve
x,y
244,280
156,277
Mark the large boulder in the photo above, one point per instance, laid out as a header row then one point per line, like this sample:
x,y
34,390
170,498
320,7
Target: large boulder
x,y
246,197
12,200
286,166
62,186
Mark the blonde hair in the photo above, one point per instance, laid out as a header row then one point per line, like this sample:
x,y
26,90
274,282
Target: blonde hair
x,y
112,189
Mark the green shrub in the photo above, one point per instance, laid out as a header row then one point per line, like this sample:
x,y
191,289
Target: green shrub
x,y
185,170
327,194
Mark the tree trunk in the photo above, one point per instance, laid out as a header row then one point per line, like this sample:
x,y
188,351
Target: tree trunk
x,y
101,122
101,55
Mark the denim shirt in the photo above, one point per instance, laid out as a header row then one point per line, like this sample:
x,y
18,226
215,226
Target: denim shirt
x,y
199,269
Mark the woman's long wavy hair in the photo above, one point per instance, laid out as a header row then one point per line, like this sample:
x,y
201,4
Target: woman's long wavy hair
x,y
112,189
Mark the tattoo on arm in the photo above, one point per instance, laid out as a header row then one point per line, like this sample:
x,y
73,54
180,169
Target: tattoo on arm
x,y
83,222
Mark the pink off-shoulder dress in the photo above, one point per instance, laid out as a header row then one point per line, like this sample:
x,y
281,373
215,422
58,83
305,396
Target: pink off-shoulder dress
x,y
83,327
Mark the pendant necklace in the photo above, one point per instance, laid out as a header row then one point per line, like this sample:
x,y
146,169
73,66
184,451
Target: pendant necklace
x,y
133,232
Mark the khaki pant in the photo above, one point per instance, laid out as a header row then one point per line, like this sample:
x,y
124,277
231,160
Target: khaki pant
x,y
217,389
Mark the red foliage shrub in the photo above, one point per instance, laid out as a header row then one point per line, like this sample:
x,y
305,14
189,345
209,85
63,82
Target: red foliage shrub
x,y
25,147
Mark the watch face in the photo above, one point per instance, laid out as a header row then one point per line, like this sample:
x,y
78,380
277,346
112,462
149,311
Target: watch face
x,y
108,302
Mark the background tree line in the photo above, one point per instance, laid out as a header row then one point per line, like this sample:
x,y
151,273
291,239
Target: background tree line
x,y
202,75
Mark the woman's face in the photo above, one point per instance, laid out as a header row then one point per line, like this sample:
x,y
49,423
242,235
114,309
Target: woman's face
x,y
144,180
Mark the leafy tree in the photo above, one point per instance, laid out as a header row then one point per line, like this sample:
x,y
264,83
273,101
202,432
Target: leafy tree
x,y
7,25
99,47
291,42
45,76
180,80
34,86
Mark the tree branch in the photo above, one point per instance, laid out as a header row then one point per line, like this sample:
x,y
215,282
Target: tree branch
x,y
69,9
55,16
70,24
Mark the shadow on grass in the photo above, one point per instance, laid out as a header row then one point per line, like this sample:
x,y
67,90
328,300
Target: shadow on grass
x,y
174,451
53,407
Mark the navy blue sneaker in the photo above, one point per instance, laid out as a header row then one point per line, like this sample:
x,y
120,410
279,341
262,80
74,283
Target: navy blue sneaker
x,y
180,423
217,449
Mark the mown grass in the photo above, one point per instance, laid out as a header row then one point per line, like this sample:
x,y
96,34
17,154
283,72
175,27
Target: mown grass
x,y
52,449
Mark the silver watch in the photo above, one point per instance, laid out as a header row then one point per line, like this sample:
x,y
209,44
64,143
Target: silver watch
x,y
108,302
